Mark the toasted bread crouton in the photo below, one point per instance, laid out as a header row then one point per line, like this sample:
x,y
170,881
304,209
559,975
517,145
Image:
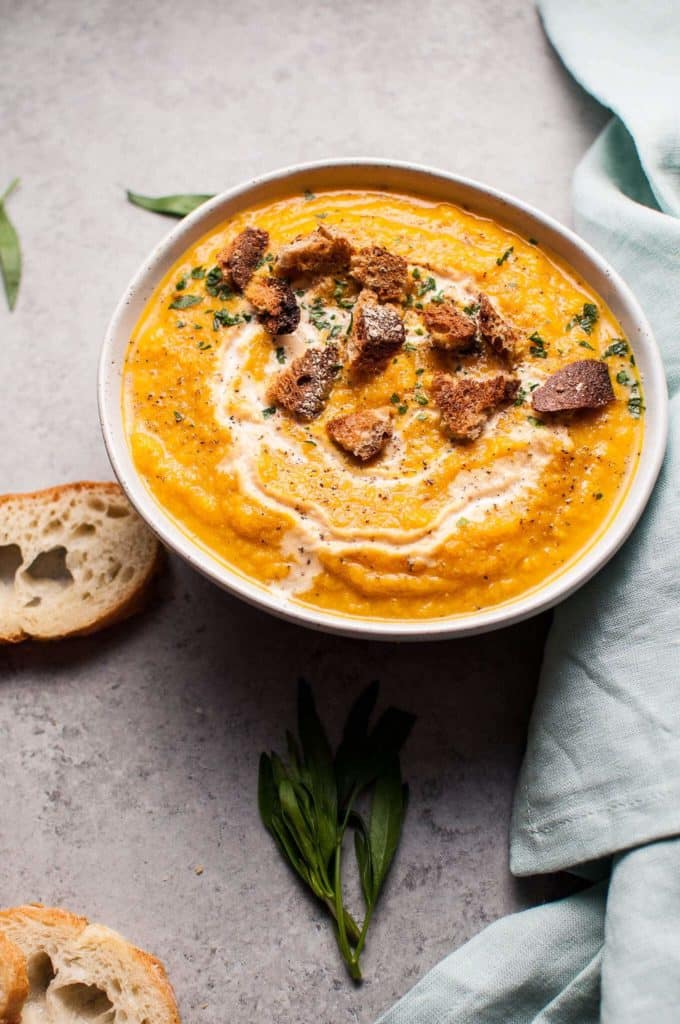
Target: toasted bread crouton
x,y
13,981
381,271
495,331
448,328
364,434
377,333
584,384
321,252
465,404
277,308
303,388
240,259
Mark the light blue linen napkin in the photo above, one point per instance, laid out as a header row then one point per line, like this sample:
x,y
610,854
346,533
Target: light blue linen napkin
x,y
599,790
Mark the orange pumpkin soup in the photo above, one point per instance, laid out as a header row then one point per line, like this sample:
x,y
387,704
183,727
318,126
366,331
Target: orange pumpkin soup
x,y
462,497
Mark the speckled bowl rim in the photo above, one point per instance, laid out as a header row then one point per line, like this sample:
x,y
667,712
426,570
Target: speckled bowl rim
x,y
432,184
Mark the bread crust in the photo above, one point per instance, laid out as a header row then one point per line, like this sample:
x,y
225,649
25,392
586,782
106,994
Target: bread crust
x,y
61,927
583,384
135,601
13,981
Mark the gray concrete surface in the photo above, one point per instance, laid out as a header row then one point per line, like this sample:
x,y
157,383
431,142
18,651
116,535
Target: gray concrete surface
x,y
129,759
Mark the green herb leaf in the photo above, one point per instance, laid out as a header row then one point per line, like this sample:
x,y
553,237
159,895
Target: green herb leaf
x,y
618,347
216,285
185,301
586,320
198,273
506,255
225,318
387,814
171,206
10,250
535,422
538,349
271,411
472,309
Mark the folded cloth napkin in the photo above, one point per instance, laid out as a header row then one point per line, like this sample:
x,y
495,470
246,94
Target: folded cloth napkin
x,y
599,790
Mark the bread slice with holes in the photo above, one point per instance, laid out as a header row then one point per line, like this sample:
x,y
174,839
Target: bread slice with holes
x,y
73,559
80,972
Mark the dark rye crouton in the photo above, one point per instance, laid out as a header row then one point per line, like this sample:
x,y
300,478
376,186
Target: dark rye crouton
x,y
275,303
364,434
448,328
494,330
377,333
466,404
303,388
381,271
321,252
240,259
584,384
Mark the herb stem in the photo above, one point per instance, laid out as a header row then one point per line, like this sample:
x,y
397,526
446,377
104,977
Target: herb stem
x,y
8,191
352,964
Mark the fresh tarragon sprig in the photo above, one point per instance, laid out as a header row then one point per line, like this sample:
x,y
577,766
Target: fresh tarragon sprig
x,y
309,802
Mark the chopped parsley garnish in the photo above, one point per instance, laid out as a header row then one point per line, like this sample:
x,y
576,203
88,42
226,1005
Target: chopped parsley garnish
x,y
216,285
623,378
535,422
401,409
462,521
185,301
308,195
410,347
420,371
198,273
533,241
521,395
223,318
437,298
280,354
618,347
267,259
635,403
598,495
308,440
181,323
538,349
178,416
472,309
339,289
586,344
415,274
428,285
203,345
421,417
317,313
181,284
266,413
336,331
506,255
586,320
421,399
395,398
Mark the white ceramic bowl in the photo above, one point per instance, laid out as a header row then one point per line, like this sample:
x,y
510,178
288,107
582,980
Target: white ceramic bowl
x,y
439,185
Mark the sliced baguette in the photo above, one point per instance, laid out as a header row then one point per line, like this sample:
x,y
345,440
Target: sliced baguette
x,y
73,559
82,972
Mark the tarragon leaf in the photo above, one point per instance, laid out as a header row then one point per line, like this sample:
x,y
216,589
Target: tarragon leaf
x,y
387,815
10,251
171,206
